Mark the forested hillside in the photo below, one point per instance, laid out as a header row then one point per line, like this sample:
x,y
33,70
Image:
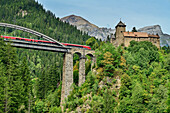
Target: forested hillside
x,y
133,79
43,68
125,80
30,14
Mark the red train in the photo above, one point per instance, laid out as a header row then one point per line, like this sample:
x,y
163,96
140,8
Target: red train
x,y
43,41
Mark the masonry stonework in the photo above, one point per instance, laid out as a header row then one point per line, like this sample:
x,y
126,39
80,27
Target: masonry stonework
x,y
124,38
128,40
67,80
81,70
120,28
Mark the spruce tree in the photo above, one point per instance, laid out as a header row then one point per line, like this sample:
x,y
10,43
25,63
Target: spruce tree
x,y
41,85
48,81
3,81
25,76
54,77
5,98
14,79
13,86
134,29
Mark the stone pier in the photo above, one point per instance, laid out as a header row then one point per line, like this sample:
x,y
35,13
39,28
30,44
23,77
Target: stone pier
x,y
82,70
67,80
93,60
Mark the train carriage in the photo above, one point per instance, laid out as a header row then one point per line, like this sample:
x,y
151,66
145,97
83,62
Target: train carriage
x,y
46,42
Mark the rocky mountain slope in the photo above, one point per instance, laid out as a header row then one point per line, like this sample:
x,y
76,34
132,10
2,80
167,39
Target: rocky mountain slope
x,y
102,33
86,26
156,29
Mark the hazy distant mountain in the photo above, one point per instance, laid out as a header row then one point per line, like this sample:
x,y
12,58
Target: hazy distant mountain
x,y
86,26
156,29
102,33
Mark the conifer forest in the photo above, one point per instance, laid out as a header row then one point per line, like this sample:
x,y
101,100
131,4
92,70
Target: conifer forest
x,y
132,79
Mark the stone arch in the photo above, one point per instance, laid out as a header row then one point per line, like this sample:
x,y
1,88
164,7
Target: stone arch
x,y
93,59
76,71
78,53
91,55
68,69
82,59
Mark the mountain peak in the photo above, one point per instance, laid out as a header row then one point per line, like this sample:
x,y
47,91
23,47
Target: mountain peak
x,y
85,26
152,29
102,33
72,16
76,20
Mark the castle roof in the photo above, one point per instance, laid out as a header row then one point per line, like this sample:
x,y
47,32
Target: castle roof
x,y
139,34
154,36
120,24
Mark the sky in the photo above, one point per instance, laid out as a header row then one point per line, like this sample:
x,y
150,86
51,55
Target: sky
x,y
107,13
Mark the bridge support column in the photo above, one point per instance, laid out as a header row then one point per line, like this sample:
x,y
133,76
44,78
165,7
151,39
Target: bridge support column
x,y
82,70
67,80
93,59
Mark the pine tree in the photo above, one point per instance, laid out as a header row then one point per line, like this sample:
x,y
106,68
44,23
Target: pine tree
x,y
134,29
14,79
41,85
5,103
13,86
25,76
54,77
3,81
48,81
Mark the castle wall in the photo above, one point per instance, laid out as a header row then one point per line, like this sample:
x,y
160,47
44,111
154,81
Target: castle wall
x,y
144,39
124,38
127,41
154,41
114,42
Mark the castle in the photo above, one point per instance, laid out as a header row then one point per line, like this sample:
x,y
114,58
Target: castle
x,y
123,38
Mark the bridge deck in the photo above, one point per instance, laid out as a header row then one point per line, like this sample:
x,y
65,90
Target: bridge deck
x,y
38,46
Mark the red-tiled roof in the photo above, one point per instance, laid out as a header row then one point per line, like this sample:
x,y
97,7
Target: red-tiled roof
x,y
154,36
135,34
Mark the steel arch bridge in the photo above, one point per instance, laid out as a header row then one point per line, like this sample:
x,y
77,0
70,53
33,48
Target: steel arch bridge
x,y
67,57
30,31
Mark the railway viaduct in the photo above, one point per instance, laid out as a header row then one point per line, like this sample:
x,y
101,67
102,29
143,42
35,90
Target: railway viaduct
x,y
67,79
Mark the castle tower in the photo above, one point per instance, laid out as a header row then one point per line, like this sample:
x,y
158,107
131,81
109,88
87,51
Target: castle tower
x,y
120,28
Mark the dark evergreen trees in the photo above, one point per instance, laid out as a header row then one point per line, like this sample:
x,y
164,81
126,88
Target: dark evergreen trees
x,y
13,85
134,29
26,78
16,82
144,76
32,15
3,83
48,81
